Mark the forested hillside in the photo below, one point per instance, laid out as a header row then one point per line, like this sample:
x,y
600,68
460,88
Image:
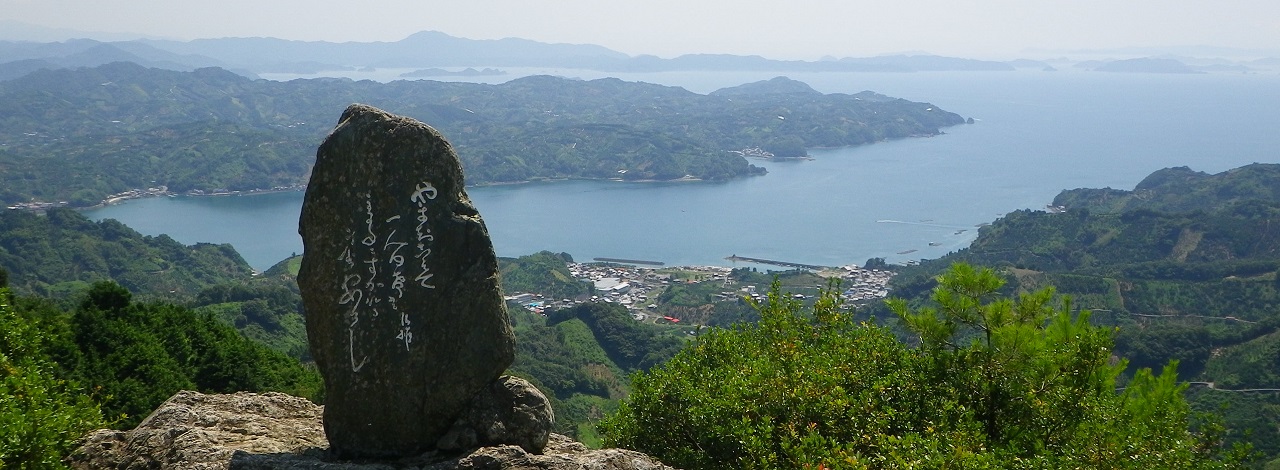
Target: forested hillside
x,y
62,251
1181,189
544,272
60,254
80,135
1185,265
583,357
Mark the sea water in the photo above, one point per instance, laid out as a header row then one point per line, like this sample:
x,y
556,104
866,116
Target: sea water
x,y
1035,134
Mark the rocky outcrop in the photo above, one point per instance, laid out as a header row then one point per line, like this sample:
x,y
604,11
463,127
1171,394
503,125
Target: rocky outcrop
x,y
196,431
405,316
247,431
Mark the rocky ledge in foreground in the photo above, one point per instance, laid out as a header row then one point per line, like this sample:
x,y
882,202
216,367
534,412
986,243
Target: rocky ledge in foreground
x,y
248,431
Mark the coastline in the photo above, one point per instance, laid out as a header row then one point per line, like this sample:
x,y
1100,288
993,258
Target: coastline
x,y
162,191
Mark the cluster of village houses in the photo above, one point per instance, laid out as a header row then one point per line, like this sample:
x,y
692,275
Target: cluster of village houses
x,y
110,199
37,205
863,285
136,194
637,288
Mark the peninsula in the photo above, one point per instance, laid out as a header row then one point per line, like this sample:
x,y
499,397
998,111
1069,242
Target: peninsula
x,y
83,135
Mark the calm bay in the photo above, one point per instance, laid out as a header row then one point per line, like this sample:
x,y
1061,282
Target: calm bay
x,y
1036,134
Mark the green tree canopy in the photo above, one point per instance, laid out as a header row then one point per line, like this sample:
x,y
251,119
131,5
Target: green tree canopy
x,y
40,416
135,355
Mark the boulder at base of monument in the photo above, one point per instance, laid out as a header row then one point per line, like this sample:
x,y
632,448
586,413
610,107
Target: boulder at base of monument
x,y
399,280
509,411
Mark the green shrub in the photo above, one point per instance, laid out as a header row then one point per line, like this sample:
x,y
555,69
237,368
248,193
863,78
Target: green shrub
x,y
993,383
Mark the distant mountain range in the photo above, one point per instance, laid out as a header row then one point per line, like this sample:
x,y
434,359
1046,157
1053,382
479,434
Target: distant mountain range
x,y
431,49
25,48
20,58
249,56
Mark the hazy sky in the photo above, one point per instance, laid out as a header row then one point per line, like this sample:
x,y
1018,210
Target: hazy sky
x,y
783,29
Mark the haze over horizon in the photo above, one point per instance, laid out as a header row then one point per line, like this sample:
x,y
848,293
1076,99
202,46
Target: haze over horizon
x,y
805,30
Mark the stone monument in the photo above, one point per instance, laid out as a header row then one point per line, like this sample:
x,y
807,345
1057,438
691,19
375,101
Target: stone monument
x,y
400,285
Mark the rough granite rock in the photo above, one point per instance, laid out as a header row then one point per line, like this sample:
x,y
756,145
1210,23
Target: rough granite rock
x,y
509,411
196,431
247,431
405,316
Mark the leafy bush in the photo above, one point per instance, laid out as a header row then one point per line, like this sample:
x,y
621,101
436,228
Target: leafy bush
x,y
994,383
771,395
